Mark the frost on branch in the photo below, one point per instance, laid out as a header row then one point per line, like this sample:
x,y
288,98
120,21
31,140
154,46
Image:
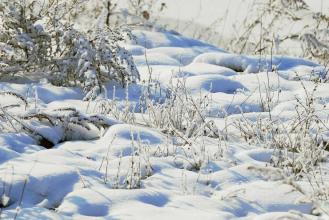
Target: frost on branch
x,y
38,39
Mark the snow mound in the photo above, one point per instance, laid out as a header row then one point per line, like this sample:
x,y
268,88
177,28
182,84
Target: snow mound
x,y
45,92
155,59
194,69
213,84
125,138
153,39
184,55
40,181
13,145
249,64
285,198
86,202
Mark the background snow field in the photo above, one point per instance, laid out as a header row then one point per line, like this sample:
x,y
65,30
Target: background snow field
x,y
82,179
136,171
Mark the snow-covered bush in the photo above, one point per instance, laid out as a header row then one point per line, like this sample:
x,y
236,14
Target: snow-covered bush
x,y
180,113
91,61
299,144
38,38
263,32
49,127
261,26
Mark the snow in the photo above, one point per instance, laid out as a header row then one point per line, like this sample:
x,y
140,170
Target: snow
x,y
204,68
149,39
100,176
47,93
213,84
249,64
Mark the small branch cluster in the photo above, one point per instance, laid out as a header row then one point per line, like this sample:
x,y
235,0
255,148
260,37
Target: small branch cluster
x,y
180,113
49,127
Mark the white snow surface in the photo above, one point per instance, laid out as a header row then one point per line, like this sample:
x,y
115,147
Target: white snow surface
x,y
81,179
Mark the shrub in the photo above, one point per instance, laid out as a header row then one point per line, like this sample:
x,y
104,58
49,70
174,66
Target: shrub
x,y
38,38
299,144
261,28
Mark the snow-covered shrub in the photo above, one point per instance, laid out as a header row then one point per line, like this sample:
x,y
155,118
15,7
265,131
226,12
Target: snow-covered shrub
x,y
180,113
191,157
260,27
129,171
263,32
112,107
50,127
38,38
299,143
91,61
173,110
